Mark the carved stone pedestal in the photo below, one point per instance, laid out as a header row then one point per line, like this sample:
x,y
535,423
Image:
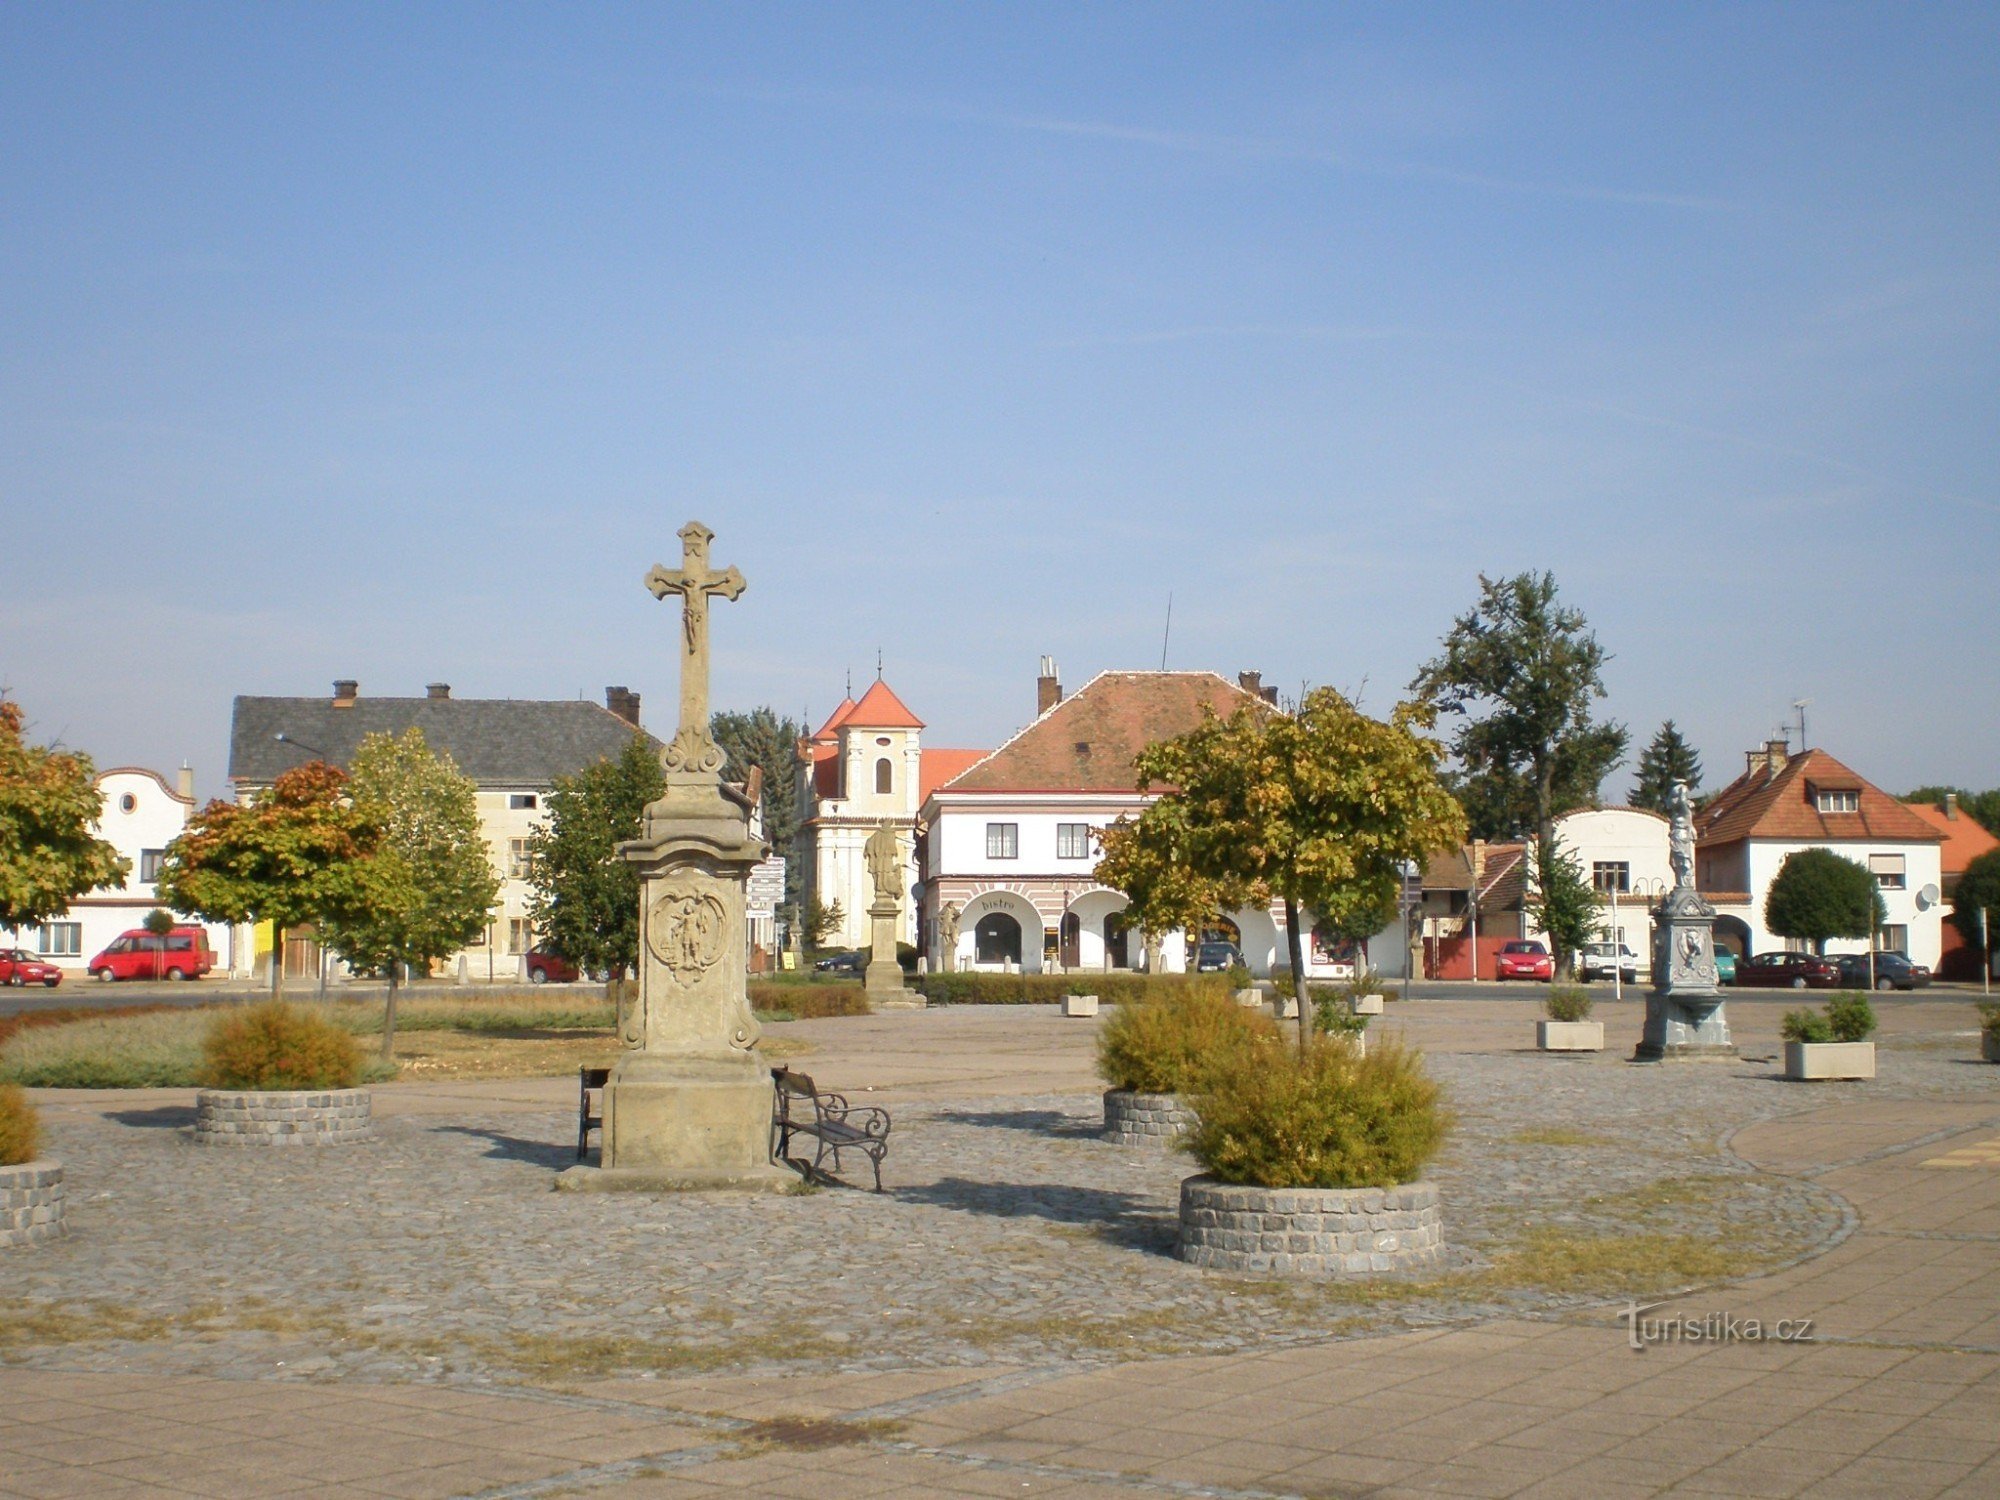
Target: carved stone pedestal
x,y
1685,1017
884,978
688,1104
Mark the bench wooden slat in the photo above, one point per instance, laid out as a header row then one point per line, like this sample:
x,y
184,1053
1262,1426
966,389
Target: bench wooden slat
x,y
835,1124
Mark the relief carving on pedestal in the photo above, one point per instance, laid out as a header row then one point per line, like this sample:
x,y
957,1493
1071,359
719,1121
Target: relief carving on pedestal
x,y
687,929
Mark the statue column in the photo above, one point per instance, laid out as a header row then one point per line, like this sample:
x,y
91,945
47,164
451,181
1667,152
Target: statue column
x,y
883,981
1685,1015
688,1103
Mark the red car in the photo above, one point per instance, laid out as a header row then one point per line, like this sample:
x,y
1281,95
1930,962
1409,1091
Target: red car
x,y
545,967
182,953
1524,959
17,967
1795,971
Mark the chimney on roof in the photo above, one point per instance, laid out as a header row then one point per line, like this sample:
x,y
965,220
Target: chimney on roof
x,y
1048,687
623,702
1775,755
1251,682
1951,805
437,690
186,787
345,691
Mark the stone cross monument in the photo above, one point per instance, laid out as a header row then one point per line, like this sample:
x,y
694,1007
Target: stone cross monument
x,y
1684,1013
688,1103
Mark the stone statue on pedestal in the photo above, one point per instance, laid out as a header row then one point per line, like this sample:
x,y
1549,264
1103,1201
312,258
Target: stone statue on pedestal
x,y
688,1103
948,916
884,977
1685,1017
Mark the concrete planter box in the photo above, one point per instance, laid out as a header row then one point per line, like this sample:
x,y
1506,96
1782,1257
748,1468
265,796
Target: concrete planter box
x,y
1287,1006
31,1203
1251,998
1808,1061
1570,1036
1366,1005
1132,1119
1341,1233
1989,1046
304,1117
1079,1005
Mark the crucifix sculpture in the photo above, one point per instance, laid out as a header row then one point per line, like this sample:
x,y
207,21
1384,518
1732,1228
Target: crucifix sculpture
x,y
693,747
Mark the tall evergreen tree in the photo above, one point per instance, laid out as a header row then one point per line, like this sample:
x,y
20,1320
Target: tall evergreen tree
x,y
1668,759
763,739
1523,671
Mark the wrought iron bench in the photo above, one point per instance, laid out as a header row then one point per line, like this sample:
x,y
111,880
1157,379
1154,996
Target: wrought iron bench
x,y
836,1125
589,1081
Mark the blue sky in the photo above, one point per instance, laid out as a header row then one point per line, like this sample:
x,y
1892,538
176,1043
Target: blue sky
x,y
396,342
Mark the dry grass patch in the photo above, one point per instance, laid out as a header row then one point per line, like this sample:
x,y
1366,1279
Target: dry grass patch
x,y
1562,1261
1559,1135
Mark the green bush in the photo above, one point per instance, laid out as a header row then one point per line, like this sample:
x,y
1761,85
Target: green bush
x,y
1850,1016
160,1050
1332,1118
1121,987
278,1046
1164,1045
1334,1016
20,1130
1989,1016
1239,977
802,1002
1568,1002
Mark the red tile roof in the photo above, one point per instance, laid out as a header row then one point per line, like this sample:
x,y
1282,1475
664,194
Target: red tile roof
x,y
1503,879
881,709
835,719
936,767
1762,804
1964,839
1088,742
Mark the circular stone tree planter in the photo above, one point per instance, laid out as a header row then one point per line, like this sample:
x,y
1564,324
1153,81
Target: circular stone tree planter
x,y
280,1117
1132,1119
1329,1232
31,1203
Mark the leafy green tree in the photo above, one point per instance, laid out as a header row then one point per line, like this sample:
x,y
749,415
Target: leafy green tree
x,y
585,899
1320,808
1524,672
290,857
48,804
821,921
1982,807
761,738
1817,895
1562,902
1151,866
1669,758
429,886
1979,890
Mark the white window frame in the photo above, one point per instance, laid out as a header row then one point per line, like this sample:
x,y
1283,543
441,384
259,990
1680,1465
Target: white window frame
x,y
520,859
59,940
1891,871
1003,840
1072,841
1602,870
1837,801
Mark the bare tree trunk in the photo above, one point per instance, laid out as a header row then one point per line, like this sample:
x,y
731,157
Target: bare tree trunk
x,y
1299,988
389,1016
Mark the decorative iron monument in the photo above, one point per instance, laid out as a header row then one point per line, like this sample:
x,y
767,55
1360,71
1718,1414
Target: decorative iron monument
x,y
688,1103
1684,1013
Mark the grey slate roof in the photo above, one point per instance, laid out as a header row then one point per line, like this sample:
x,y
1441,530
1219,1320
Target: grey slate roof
x,y
501,741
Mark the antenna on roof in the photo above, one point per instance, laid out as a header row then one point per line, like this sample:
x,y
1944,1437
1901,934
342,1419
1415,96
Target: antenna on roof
x,y
1800,705
1167,634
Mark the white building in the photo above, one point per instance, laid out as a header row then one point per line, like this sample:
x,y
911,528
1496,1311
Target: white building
x,y
1011,840
512,749
865,765
141,815
1783,803
1624,853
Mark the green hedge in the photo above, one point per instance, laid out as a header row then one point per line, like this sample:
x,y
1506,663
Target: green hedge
x,y
802,1002
1047,989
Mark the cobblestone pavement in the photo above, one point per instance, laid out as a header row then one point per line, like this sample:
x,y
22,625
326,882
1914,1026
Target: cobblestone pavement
x,y
1010,1233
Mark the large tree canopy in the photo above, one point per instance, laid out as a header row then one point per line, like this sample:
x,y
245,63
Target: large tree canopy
x,y
1524,672
48,804
1817,895
1979,891
1668,759
585,899
429,886
1320,808
292,856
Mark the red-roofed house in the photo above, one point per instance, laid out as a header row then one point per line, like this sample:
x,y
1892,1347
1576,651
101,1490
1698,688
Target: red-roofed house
x,y
1010,840
864,764
1964,841
1783,803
